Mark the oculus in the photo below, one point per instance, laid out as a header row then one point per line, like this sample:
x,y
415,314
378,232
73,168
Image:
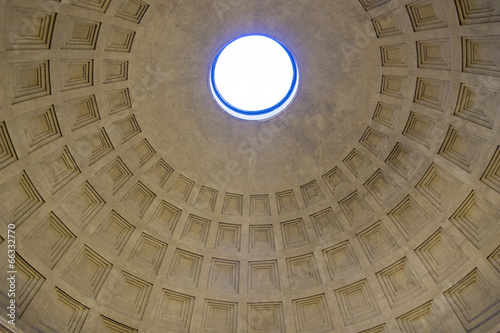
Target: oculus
x,y
254,77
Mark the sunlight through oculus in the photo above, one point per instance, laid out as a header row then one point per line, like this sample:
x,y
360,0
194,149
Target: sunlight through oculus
x,y
254,77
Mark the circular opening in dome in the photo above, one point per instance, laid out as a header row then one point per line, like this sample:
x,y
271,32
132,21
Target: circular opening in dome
x,y
254,77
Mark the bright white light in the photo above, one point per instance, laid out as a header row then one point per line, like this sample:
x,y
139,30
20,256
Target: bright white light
x,y
254,73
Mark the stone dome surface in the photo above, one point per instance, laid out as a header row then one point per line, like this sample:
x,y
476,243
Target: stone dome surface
x,y
138,205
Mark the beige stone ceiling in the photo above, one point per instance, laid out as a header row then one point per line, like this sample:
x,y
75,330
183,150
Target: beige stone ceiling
x,y
369,205
245,157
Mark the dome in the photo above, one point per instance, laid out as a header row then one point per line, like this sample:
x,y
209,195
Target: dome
x,y
131,202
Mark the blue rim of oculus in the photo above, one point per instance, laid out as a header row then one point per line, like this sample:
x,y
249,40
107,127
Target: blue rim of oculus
x,y
258,114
